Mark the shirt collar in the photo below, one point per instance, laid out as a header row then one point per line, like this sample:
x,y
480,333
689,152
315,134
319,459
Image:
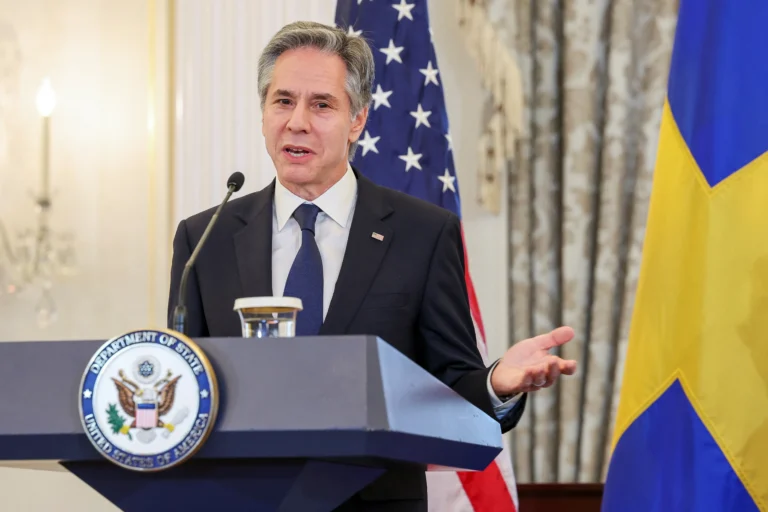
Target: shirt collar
x,y
336,202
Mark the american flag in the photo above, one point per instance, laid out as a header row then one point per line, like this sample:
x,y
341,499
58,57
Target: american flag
x,y
406,145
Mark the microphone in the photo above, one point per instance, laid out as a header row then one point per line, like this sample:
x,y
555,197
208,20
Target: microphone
x,y
234,183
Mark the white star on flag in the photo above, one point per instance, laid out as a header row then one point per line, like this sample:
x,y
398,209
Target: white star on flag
x,y
450,141
411,159
87,394
354,33
380,97
421,116
404,10
447,180
392,52
368,143
430,74
204,394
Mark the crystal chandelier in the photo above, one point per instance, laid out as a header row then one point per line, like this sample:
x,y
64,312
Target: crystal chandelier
x,y
36,256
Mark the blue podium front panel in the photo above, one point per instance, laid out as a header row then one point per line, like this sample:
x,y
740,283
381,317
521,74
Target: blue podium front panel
x,y
329,397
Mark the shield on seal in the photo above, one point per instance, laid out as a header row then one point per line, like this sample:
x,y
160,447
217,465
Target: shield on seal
x,y
146,415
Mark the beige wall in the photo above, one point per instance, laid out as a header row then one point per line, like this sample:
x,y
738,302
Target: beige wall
x,y
105,191
105,175
108,175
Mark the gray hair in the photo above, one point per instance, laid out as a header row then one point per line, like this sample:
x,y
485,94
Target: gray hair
x,y
353,50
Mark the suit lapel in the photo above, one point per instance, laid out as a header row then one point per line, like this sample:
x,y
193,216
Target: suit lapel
x,y
362,257
253,246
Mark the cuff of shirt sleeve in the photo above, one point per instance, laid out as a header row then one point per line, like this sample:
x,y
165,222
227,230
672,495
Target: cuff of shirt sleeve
x,y
500,407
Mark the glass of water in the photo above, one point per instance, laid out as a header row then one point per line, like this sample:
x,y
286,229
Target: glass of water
x,y
268,317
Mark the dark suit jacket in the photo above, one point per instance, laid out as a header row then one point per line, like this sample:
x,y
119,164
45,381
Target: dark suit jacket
x,y
408,289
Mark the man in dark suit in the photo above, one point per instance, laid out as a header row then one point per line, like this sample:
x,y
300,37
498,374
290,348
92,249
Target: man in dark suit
x,y
364,259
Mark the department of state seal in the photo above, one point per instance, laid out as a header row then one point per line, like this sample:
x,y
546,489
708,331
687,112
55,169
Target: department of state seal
x,y
148,399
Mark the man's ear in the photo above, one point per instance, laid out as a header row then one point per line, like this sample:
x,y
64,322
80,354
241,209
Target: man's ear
x,y
358,124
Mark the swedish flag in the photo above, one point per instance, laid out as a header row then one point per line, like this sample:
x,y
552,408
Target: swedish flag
x,y
692,426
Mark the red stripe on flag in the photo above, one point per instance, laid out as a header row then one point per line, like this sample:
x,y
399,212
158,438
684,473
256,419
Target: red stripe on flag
x,y
474,306
486,490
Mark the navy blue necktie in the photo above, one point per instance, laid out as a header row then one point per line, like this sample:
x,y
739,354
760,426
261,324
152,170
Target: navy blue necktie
x,y
305,279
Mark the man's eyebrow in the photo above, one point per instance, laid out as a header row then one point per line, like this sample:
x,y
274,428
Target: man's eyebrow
x,y
284,92
323,96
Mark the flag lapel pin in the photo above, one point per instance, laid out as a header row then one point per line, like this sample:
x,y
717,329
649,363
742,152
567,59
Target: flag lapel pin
x,y
377,236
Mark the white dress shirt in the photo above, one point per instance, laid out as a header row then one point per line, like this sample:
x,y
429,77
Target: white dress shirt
x,y
337,206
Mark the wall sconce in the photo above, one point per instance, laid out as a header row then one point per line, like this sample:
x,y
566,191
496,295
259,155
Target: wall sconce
x,y
38,255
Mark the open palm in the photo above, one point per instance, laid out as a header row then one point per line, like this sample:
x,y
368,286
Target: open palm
x,y
528,365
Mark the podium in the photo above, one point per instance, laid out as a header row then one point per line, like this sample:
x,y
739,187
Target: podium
x,y
304,423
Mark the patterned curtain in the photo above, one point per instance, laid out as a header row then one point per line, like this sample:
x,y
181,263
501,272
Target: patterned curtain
x,y
594,77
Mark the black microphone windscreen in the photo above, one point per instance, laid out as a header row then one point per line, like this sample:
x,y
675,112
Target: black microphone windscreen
x,y
237,179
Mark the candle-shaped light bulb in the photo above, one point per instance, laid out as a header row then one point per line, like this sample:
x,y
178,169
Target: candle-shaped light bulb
x,y
46,102
46,98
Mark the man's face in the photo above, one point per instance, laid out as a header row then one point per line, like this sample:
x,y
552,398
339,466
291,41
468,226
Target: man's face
x,y
307,120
